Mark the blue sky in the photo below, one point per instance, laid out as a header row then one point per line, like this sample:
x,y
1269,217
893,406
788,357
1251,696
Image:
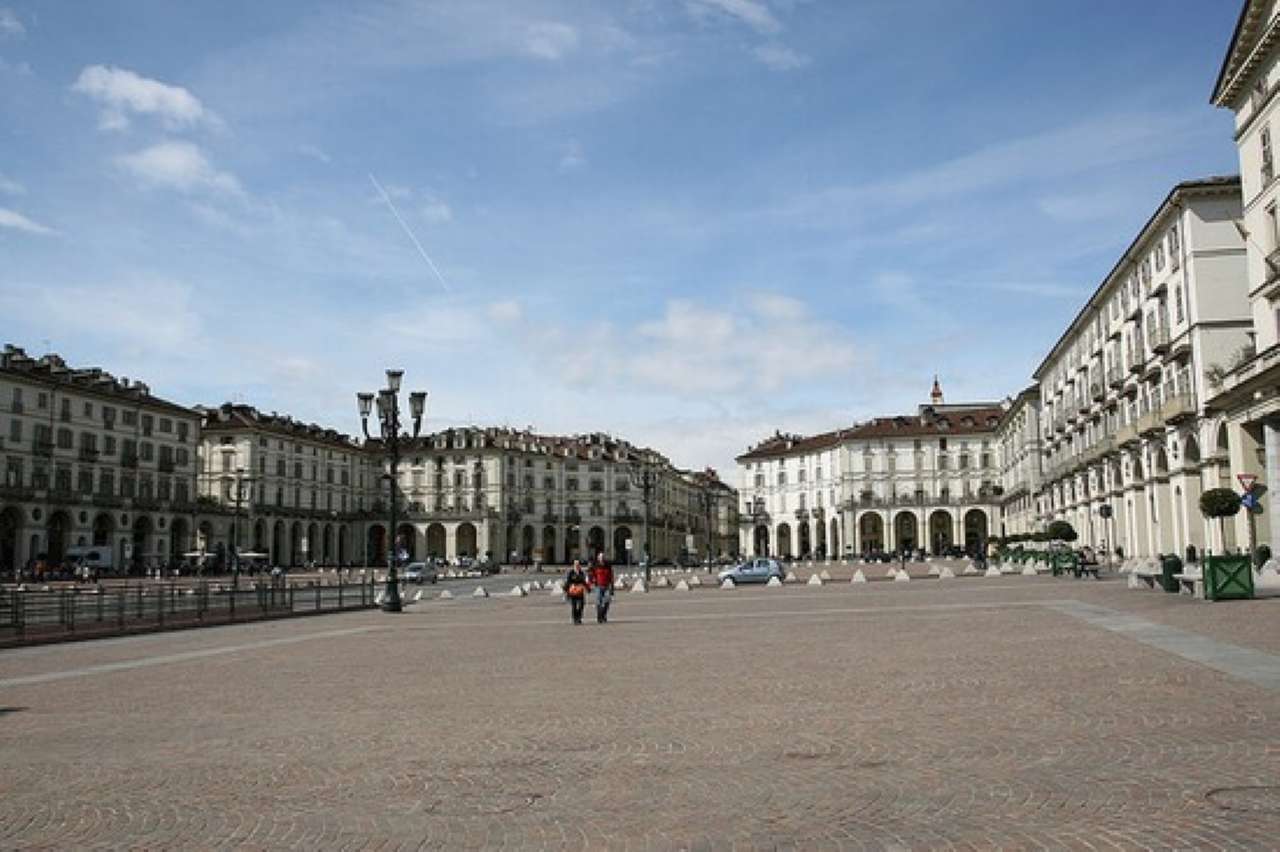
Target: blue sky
x,y
688,222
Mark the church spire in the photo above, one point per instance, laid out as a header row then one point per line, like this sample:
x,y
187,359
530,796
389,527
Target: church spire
x,y
935,396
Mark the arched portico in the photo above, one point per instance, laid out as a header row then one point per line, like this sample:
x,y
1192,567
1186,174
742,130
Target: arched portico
x,y
784,541
761,540
941,525
806,543
871,532
466,540
436,542
10,523
975,529
906,533
595,541
620,536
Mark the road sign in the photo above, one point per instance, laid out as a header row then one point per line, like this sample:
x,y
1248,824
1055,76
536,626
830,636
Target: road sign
x,y
628,544
1249,501
1247,480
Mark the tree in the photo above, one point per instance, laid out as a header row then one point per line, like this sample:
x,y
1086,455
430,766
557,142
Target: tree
x,y
1220,503
1061,531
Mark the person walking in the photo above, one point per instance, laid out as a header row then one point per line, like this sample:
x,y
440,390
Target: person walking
x,y
575,589
602,579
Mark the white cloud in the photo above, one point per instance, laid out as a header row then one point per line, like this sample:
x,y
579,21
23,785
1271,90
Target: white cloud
x,y
572,158
779,57
122,315
315,153
10,25
179,165
506,312
436,212
15,220
122,92
753,13
693,350
9,186
550,40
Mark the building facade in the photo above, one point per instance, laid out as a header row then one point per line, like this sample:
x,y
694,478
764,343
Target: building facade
x,y
294,491
1244,394
92,460
517,495
927,481
1124,422
1020,459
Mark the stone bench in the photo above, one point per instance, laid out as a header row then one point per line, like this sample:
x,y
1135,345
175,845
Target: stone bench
x,y
1190,583
1148,575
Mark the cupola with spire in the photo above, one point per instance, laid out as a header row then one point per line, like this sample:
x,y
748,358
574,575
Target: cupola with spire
x,y
935,395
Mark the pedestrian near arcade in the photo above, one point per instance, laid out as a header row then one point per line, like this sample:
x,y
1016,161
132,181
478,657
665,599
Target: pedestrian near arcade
x,y
575,589
602,579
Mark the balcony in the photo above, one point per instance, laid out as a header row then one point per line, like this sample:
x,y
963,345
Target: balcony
x,y
1158,338
88,454
1096,393
1126,435
16,407
17,492
1135,362
43,448
1178,407
1115,376
802,514
129,460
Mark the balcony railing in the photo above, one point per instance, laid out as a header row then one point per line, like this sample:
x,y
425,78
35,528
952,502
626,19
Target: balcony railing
x,y
88,454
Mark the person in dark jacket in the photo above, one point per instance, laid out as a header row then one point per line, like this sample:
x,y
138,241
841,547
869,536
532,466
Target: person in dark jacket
x,y
602,579
575,589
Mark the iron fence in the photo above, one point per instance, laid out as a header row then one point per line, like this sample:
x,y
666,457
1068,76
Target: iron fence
x,y
33,617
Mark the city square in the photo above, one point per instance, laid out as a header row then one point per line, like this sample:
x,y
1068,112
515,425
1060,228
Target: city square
x,y
905,377
1012,712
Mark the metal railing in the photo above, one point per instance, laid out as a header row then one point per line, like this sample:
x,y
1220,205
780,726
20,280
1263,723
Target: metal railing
x,y
34,617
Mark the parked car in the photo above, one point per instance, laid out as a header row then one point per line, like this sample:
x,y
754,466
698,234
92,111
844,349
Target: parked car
x,y
758,570
419,572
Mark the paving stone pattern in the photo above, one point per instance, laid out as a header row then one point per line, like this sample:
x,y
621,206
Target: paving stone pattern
x,y
958,714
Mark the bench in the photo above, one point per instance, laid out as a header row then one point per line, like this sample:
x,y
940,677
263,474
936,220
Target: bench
x,y
1149,575
1190,583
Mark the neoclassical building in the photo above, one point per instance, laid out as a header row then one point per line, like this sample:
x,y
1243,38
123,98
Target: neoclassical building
x,y
295,491
1243,392
1020,459
929,480
91,459
517,494
1124,419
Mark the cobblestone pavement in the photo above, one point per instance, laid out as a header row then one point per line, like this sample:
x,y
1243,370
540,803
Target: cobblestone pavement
x,y
969,713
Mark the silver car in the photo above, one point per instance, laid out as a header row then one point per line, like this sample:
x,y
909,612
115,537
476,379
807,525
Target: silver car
x,y
419,572
758,570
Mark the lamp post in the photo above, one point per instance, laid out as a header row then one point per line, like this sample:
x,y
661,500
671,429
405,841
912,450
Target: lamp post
x,y
240,481
388,399
644,475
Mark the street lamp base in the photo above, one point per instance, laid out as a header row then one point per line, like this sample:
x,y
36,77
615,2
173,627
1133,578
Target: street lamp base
x,y
392,606
391,601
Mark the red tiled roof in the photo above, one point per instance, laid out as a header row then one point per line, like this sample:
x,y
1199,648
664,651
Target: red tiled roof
x,y
970,421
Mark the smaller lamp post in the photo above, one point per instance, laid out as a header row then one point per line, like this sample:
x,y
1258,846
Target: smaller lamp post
x,y
388,400
240,481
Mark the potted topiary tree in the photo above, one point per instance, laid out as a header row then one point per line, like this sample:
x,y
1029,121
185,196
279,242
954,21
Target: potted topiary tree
x,y
1220,503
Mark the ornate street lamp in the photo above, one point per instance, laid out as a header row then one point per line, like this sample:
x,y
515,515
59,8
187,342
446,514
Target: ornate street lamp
x,y
240,481
388,402
644,475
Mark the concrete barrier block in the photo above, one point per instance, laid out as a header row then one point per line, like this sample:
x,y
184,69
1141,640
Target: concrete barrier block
x,y
619,584
825,574
992,571
774,583
1029,571
814,580
695,581
639,587
682,586
517,592
728,584
446,595
858,577
945,573
479,592
902,577
792,577
969,570
662,583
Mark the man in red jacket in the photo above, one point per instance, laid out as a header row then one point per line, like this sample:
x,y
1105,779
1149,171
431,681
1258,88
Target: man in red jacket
x,y
602,579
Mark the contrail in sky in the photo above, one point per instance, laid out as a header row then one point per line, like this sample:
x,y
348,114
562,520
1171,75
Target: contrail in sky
x,y
403,224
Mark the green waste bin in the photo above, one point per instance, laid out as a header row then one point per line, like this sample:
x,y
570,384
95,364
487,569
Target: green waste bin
x,y
1169,566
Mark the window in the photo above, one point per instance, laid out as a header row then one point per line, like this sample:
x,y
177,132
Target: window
x,y
88,409
108,417
1177,303
1267,168
17,401
166,425
64,439
782,477
107,483
85,480
15,430
147,423
42,400
148,451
